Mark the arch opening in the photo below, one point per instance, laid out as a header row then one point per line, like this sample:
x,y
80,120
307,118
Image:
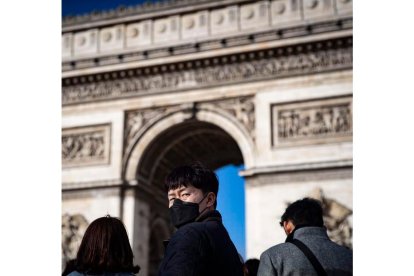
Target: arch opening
x,y
183,143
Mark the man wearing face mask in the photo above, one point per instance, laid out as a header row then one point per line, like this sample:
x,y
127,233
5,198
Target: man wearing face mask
x,y
308,249
201,244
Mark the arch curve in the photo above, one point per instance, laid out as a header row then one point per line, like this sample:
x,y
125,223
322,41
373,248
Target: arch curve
x,y
221,120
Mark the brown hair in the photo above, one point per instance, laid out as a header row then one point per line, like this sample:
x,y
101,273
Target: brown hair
x,y
105,247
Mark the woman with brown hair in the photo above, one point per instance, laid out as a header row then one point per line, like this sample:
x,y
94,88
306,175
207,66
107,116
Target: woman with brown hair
x,y
104,250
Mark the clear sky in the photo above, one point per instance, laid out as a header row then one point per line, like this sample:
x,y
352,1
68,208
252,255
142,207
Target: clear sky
x,y
230,203
231,191
76,7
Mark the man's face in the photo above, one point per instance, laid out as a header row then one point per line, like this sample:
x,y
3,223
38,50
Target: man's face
x,y
187,194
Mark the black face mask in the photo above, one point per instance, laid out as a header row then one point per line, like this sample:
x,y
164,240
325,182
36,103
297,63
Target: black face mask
x,y
182,212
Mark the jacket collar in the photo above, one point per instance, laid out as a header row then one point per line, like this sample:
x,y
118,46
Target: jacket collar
x,y
302,231
209,215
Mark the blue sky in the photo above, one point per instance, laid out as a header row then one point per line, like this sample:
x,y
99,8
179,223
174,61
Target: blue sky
x,y
76,7
231,189
230,203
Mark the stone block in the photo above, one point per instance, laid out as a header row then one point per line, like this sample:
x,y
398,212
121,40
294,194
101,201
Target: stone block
x,y
86,43
139,34
344,7
285,11
317,9
111,39
194,25
67,45
255,15
224,20
167,29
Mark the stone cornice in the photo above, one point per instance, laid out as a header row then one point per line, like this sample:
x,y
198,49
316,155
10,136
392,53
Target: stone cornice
x,y
196,23
227,42
335,164
315,57
140,12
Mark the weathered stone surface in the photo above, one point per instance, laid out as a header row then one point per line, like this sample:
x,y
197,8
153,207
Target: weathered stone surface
x,y
73,229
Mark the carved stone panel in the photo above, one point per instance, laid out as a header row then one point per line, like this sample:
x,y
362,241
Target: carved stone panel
x,y
136,120
267,64
328,120
241,108
86,146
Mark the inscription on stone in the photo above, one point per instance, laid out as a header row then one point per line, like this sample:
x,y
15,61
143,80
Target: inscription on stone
x,y
312,121
85,146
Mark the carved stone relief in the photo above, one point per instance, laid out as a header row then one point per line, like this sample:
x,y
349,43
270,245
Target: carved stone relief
x,y
136,119
312,121
337,218
85,146
241,108
267,64
73,229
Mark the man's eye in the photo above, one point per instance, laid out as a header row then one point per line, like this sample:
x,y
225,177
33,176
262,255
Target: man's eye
x,y
185,195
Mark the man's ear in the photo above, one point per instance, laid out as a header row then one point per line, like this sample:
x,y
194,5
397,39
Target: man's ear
x,y
211,198
288,226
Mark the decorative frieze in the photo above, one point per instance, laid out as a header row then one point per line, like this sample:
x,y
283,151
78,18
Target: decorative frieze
x,y
240,108
85,146
267,64
314,121
136,119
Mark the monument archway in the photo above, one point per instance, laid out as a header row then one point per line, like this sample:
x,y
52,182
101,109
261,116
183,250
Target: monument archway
x,y
182,136
263,83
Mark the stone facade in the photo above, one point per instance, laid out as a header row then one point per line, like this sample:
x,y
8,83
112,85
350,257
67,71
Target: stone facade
x,y
267,84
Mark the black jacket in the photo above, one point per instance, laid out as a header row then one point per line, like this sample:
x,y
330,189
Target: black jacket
x,y
201,248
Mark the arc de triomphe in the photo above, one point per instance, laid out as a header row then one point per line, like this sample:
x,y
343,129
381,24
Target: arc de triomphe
x,y
267,84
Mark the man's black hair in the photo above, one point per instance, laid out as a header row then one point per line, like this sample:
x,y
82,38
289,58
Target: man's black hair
x,y
195,175
306,211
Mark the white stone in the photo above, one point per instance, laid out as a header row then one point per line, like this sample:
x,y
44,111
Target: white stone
x,y
67,45
139,34
111,171
344,7
111,39
194,25
167,29
86,43
254,15
316,9
285,12
224,20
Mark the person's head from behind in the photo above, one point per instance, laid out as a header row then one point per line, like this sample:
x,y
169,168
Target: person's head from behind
x,y
105,248
251,267
303,212
192,190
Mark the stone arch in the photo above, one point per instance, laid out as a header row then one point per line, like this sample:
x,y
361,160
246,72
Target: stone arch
x,y
225,122
168,138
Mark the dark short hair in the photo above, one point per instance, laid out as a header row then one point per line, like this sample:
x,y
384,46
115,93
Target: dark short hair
x,y
105,248
252,266
306,211
195,175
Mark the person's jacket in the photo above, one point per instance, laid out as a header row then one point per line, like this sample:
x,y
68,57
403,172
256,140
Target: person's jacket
x,y
287,259
76,273
201,248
